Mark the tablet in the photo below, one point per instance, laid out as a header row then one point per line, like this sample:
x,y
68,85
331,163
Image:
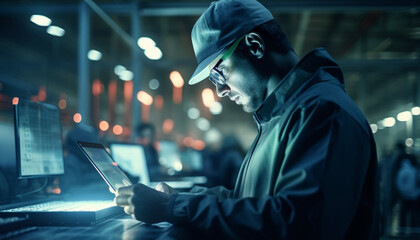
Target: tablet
x,y
104,164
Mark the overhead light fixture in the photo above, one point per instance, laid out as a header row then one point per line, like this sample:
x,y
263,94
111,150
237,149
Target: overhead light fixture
x,y
56,31
94,55
145,43
404,116
40,20
389,122
153,53
118,69
126,75
415,111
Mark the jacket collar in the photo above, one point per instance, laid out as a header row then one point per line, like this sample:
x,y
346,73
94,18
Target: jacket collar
x,y
300,75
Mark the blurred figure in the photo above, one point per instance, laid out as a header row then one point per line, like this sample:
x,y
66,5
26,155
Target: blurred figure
x,y
146,136
78,171
408,190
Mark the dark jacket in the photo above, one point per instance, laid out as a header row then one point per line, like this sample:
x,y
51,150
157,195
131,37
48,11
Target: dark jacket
x,y
311,172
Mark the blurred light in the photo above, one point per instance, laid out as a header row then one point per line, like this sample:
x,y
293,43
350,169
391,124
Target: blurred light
x,y
409,142
159,102
203,124
168,126
56,31
118,69
154,84
208,97
199,145
97,87
145,43
176,79
77,118
40,20
62,104
117,129
42,94
374,127
213,136
126,75
94,55
216,109
404,116
188,141
193,113
178,166
389,122
103,125
415,111
144,98
114,163
381,125
153,53
15,101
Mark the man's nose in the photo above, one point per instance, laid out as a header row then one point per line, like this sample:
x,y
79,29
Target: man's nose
x,y
222,90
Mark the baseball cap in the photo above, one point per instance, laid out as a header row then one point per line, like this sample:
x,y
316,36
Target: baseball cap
x,y
219,26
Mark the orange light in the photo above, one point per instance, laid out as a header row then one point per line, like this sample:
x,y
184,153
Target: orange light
x,y
77,118
117,129
103,125
56,190
188,141
168,126
176,79
208,97
97,87
42,94
114,163
159,102
15,101
144,98
199,145
62,104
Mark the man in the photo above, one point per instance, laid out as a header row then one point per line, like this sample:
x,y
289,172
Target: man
x,y
311,171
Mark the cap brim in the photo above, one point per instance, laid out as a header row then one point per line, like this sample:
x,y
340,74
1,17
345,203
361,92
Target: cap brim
x,y
203,71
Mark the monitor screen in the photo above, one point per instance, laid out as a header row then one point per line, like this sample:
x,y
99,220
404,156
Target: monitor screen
x,y
38,139
132,159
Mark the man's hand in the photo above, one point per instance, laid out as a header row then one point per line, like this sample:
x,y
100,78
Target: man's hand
x,y
165,188
143,203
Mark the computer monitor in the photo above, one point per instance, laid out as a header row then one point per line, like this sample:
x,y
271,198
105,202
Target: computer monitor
x,y
39,149
132,159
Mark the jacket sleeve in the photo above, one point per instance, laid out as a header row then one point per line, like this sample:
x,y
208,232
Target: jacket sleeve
x,y
323,166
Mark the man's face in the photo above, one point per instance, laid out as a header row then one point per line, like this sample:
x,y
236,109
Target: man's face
x,y
243,85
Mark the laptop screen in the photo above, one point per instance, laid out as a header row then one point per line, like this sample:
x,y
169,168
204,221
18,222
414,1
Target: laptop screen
x,y
132,159
38,139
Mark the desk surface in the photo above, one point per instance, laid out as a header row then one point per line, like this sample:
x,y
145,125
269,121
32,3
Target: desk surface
x,y
122,227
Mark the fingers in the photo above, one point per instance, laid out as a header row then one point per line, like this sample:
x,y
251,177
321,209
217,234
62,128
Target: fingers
x,y
123,200
165,188
125,191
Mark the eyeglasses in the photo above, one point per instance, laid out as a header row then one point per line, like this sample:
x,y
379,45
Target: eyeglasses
x,y
216,76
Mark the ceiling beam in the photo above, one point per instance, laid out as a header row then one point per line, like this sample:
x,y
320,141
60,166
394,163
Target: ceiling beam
x,y
196,8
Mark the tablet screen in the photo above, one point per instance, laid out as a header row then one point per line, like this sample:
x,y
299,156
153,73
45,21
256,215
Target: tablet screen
x,y
105,165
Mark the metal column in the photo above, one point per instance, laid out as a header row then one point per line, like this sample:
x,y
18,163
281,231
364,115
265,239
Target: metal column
x,y
83,64
136,66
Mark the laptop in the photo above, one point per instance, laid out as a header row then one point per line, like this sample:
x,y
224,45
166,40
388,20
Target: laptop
x,y
39,156
132,159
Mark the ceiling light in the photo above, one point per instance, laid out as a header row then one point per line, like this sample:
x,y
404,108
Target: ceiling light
x,y
208,97
145,43
126,75
415,111
94,55
389,122
56,31
404,116
118,69
153,53
374,127
40,20
176,79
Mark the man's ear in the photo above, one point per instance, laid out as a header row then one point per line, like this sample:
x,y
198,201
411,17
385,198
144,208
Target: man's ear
x,y
256,44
